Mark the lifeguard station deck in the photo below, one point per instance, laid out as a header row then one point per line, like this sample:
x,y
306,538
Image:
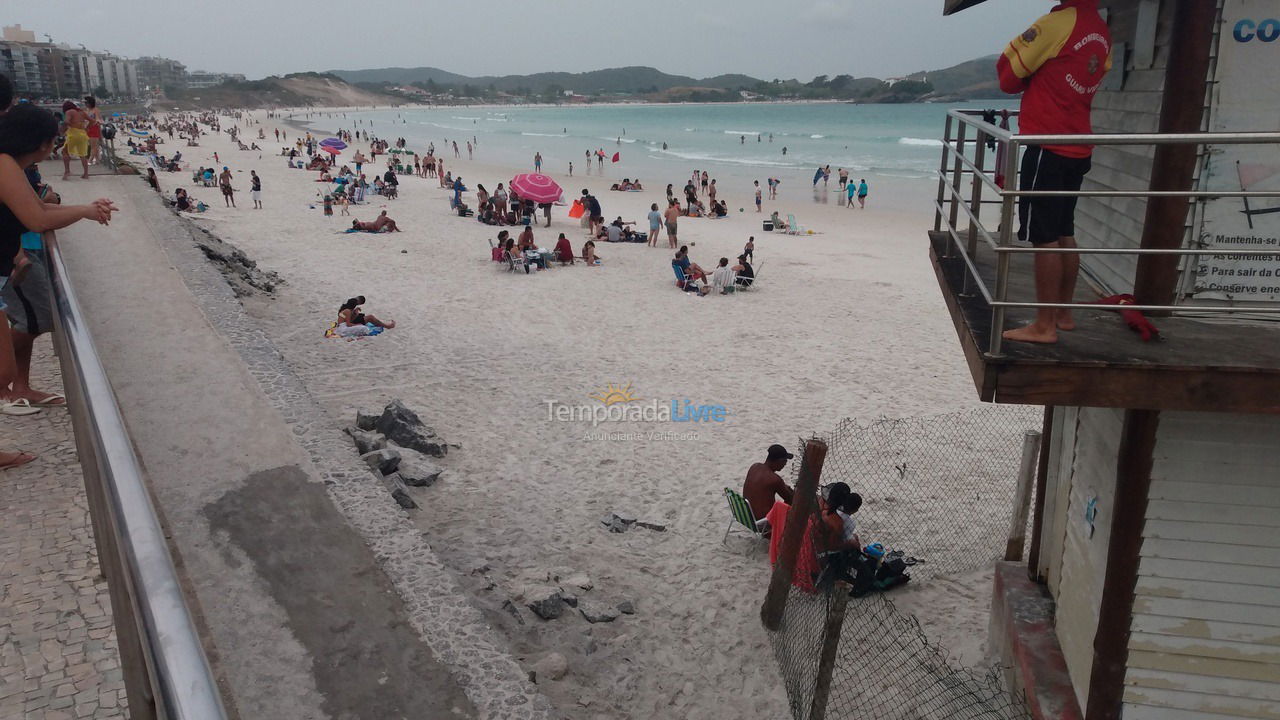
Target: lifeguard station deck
x,y
1216,364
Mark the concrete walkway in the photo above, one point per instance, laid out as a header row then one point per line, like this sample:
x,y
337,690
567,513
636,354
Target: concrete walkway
x,y
316,595
58,654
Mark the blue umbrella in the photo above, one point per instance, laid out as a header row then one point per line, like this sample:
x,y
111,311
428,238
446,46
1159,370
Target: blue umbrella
x,y
334,143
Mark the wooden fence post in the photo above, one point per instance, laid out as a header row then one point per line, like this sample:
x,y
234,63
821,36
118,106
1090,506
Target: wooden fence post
x,y
830,644
1022,498
775,601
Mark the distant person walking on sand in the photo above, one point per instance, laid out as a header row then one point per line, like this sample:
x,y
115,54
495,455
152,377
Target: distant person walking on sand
x,y
570,168
711,192
672,215
850,190
759,201
655,224
456,154
255,189
705,177
862,194
826,175
537,162
595,214
588,155
844,178
224,182
1058,65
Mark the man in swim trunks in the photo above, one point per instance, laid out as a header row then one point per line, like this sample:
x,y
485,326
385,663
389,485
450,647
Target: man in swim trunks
x,y
673,214
77,142
763,483
224,182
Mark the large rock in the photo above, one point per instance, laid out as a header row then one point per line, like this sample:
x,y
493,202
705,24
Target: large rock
x,y
618,522
399,492
366,442
547,604
626,607
597,613
417,469
553,666
402,427
366,421
383,462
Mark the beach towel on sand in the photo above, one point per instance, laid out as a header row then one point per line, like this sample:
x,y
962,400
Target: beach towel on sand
x,y
351,332
806,570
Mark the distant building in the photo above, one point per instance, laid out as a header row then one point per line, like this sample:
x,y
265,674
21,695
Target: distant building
x,y
22,64
104,71
200,79
159,72
15,33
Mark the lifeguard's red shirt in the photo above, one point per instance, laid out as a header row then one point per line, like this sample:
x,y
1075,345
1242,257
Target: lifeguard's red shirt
x,y
1058,65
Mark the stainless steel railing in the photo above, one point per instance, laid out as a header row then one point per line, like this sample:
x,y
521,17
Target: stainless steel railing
x,y
166,673
967,133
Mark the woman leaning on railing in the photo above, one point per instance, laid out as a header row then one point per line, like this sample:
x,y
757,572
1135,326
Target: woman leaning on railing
x,y
27,135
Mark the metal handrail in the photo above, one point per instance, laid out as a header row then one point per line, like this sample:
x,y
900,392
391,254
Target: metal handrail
x,y
165,669
956,167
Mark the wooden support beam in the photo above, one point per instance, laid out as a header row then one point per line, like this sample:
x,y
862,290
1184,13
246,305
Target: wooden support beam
x,y
1115,612
1042,483
1173,167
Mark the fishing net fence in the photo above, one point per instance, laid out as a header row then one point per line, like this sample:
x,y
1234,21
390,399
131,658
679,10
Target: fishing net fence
x,y
938,488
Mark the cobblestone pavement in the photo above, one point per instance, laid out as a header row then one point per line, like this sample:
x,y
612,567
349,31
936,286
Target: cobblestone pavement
x,y
58,655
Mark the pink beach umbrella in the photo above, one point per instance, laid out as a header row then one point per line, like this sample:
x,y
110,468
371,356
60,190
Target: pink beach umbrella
x,y
330,149
536,187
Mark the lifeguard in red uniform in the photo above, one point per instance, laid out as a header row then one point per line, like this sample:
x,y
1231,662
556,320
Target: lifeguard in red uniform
x,y
1058,65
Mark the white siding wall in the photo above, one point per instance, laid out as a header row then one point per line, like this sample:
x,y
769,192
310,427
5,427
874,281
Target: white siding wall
x,y
1134,108
1077,589
1206,626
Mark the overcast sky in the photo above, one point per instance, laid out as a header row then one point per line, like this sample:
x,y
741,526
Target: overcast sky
x,y
763,38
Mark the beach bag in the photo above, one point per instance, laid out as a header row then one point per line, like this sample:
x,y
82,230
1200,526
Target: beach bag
x,y
577,209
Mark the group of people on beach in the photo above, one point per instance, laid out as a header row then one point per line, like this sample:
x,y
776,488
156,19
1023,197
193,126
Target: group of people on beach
x,y
838,545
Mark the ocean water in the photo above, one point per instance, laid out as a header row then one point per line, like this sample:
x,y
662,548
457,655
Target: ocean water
x,y
737,143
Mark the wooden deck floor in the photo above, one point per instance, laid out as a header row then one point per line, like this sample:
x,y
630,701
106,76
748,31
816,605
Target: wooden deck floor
x,y
1220,365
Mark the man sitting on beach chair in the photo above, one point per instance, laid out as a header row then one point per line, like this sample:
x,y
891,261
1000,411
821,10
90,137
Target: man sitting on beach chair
x,y
763,483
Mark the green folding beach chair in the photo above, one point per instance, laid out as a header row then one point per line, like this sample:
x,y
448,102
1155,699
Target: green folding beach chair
x,y
741,512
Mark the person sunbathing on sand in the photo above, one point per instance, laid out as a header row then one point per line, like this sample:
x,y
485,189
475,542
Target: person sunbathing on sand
x,y
380,224
350,314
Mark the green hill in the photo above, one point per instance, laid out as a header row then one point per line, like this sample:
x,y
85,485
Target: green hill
x,y
972,79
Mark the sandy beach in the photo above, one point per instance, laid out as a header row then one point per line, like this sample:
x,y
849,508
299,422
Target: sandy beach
x,y
845,322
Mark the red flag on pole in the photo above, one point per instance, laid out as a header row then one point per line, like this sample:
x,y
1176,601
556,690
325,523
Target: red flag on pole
x,y
617,157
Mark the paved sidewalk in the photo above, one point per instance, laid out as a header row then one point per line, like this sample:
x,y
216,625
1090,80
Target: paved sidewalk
x,y
58,654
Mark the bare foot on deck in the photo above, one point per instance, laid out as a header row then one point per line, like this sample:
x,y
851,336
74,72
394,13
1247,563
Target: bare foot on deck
x,y
1033,334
